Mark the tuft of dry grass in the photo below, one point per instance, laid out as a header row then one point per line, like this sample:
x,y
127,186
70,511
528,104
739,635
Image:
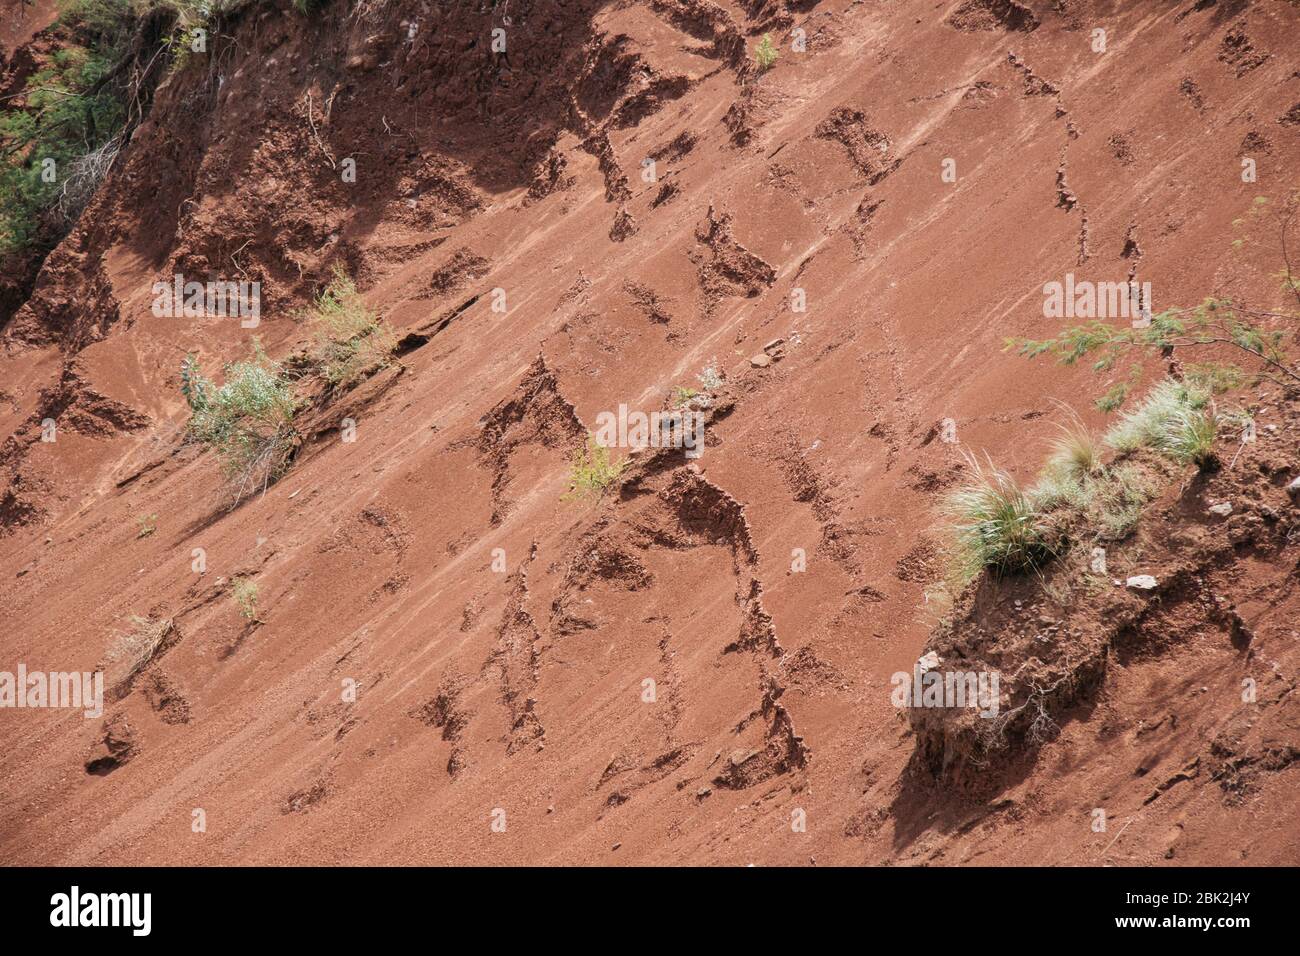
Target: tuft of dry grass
x,y
130,653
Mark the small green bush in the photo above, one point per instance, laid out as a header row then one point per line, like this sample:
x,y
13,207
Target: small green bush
x,y
593,471
765,54
350,341
248,420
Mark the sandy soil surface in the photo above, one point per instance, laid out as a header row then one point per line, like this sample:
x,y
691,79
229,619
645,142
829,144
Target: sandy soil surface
x,y
639,203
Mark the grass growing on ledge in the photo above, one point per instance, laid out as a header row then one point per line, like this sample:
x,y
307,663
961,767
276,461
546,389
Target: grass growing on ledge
x,y
994,524
350,341
592,471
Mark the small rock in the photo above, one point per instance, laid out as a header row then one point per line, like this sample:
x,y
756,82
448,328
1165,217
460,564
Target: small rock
x,y
929,662
760,360
773,344
616,846
1293,489
551,808
1223,509
1143,582
703,792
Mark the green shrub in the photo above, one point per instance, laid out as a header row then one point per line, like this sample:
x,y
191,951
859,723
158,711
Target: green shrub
x,y
248,420
350,341
1215,377
592,472
765,54
68,121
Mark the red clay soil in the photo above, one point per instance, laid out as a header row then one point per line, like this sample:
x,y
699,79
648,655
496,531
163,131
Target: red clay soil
x,y
510,684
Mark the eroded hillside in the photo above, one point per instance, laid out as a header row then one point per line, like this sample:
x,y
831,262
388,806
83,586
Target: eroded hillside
x,y
618,201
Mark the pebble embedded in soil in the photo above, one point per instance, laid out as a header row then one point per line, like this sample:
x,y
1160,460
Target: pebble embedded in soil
x,y
1142,582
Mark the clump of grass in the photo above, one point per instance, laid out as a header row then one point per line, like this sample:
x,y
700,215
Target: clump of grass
x,y
245,594
1075,452
593,471
1146,425
248,420
765,54
1188,437
1118,502
995,523
1176,419
350,341
148,525
1056,488
1073,463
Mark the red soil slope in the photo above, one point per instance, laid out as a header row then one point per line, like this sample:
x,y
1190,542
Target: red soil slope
x,y
522,690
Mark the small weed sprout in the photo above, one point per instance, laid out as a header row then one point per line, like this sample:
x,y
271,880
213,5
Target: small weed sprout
x,y
350,341
592,472
682,396
148,525
245,593
765,54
